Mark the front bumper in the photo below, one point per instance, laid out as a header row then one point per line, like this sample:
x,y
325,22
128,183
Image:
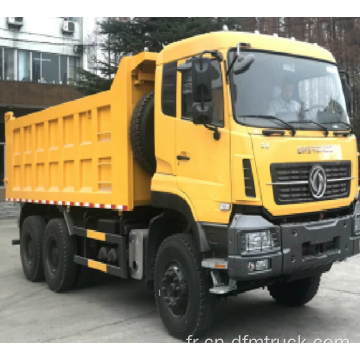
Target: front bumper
x,y
305,248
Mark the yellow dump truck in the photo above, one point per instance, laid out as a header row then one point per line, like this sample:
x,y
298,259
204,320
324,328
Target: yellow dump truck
x,y
225,163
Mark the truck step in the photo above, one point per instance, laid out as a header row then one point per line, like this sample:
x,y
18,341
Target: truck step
x,y
219,287
97,265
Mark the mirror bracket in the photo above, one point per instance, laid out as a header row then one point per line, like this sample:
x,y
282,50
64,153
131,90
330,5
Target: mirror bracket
x,y
214,53
215,129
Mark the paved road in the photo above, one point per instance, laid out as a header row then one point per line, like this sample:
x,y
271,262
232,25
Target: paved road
x,y
115,310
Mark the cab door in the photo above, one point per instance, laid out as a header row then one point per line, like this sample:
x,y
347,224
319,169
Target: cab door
x,y
203,163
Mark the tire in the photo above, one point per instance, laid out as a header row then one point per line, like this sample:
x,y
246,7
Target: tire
x,y
32,234
296,293
84,276
187,310
59,249
142,133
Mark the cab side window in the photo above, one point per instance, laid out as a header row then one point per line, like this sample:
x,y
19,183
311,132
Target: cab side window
x,y
217,94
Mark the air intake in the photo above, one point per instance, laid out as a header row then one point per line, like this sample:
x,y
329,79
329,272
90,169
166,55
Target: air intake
x,y
248,179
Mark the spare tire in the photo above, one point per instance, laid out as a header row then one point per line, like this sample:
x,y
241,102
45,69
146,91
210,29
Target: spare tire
x,y
142,133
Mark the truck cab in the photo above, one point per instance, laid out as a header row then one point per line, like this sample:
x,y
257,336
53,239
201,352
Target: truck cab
x,y
253,143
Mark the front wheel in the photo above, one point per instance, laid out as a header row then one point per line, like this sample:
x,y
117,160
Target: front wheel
x,y
182,288
296,293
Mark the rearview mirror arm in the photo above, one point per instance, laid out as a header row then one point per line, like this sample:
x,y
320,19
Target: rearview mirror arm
x,y
235,58
215,130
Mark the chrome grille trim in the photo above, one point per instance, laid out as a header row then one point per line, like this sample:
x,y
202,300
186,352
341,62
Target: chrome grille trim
x,y
306,181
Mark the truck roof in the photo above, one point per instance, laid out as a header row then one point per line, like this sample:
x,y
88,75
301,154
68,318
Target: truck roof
x,y
230,39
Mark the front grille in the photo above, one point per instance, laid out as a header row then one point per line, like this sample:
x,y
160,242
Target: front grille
x,y
295,188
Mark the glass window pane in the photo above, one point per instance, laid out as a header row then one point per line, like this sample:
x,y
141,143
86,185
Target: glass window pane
x,y
72,70
1,63
36,67
50,69
9,64
23,65
63,69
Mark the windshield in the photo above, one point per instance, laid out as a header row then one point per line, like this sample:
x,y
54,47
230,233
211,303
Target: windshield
x,y
297,90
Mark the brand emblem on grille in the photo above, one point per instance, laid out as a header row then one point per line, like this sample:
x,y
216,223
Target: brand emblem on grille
x,y
317,181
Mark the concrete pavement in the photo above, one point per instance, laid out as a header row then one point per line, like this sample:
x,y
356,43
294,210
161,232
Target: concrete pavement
x,y
116,310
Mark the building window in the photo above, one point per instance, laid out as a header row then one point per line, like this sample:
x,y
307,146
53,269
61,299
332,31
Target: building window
x,y
23,65
9,64
73,65
24,70
49,68
1,64
63,69
36,68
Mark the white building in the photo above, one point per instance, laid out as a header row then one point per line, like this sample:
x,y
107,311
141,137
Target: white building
x,y
41,49
39,58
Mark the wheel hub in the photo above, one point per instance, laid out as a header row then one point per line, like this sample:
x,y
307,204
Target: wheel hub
x,y
174,290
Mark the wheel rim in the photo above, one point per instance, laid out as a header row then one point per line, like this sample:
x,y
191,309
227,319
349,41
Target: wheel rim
x,y
53,256
174,289
29,251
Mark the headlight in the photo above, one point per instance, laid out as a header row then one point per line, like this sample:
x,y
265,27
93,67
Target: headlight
x,y
261,241
357,224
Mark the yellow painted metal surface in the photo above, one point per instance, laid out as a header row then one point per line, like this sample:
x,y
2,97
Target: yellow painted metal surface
x,y
79,152
229,39
95,235
97,265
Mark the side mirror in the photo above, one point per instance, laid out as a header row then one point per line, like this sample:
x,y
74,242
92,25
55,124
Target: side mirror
x,y
184,67
346,89
243,63
201,78
202,115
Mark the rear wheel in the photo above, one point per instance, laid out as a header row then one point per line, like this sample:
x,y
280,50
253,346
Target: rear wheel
x,y
296,293
59,249
182,288
32,234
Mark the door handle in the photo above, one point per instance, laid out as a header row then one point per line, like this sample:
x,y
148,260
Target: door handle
x,y
183,157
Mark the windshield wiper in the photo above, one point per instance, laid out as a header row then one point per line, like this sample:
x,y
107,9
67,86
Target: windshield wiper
x,y
313,122
270,117
347,125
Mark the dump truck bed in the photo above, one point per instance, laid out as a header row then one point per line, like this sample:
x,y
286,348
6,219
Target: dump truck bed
x,y
79,153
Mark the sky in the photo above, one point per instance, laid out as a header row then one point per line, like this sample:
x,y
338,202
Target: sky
x,y
89,25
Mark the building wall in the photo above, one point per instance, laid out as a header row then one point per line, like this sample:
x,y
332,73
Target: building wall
x,y
38,65
39,51
43,34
